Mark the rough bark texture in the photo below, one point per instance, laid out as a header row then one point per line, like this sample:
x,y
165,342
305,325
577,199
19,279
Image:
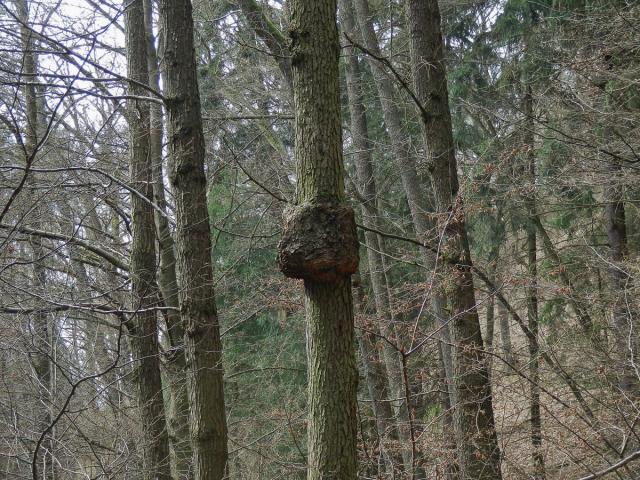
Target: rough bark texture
x,y
143,328
478,452
319,242
177,399
332,373
203,348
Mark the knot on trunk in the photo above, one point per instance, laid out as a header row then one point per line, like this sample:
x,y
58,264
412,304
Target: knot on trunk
x,y
319,242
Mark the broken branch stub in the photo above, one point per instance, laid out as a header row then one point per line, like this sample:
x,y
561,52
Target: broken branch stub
x,y
319,242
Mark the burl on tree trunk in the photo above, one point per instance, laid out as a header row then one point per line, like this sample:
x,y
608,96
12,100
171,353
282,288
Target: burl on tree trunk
x,y
319,242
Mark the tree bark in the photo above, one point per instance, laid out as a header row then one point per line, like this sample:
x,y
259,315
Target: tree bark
x,y
478,451
377,384
177,404
332,373
406,162
532,290
375,243
270,35
505,335
203,347
143,328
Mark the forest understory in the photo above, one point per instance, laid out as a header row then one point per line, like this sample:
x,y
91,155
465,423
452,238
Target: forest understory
x,y
331,240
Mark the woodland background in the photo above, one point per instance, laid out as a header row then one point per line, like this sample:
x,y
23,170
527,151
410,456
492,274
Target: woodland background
x,y
545,104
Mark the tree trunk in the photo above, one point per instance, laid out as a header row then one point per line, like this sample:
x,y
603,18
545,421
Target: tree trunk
x,y
270,35
625,338
39,326
312,228
491,322
478,451
375,243
505,335
377,383
529,181
177,405
416,194
203,347
143,328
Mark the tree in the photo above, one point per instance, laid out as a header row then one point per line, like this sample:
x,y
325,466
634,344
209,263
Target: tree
x,y
478,451
203,348
319,242
143,327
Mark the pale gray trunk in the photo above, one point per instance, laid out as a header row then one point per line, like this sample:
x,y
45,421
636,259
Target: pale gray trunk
x,y
39,324
406,162
375,243
377,384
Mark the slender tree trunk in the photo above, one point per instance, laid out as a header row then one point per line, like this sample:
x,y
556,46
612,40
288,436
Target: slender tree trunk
x,y
320,242
416,194
400,147
478,451
177,404
625,336
40,327
203,347
377,383
505,335
490,320
584,319
532,290
270,35
375,243
143,328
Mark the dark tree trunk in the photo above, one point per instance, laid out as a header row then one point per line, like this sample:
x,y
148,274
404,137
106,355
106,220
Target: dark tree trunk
x,y
625,338
143,328
529,181
177,400
478,451
203,347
